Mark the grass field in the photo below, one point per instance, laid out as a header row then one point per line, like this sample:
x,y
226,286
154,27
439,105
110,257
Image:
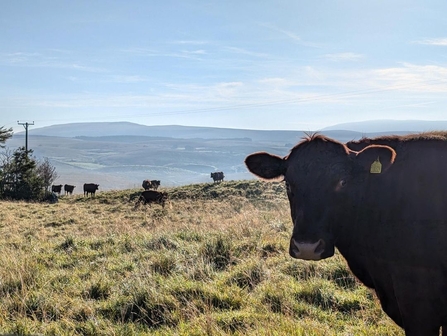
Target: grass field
x,y
214,261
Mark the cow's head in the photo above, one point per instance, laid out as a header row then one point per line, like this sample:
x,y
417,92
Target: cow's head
x,y
323,179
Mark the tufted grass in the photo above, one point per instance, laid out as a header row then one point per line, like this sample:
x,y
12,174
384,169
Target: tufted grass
x,y
214,261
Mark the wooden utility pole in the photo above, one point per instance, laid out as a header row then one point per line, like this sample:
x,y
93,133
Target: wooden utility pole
x,y
25,125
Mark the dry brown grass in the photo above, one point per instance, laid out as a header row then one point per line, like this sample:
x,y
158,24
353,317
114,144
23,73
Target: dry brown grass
x,y
214,261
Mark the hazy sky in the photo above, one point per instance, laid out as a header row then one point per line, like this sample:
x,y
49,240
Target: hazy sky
x,y
298,64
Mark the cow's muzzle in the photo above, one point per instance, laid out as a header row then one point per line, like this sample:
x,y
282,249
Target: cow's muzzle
x,y
307,251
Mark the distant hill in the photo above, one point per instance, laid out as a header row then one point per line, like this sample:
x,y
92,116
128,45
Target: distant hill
x,y
390,126
342,132
108,129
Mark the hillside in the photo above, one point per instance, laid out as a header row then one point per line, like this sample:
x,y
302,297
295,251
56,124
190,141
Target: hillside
x,y
112,129
214,261
120,155
124,162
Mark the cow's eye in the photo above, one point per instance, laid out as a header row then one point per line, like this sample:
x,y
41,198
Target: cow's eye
x,y
342,183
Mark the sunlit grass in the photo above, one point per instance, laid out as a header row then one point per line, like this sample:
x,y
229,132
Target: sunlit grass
x,y
214,261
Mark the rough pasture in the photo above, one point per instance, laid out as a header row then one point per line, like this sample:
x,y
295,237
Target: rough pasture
x,y
214,261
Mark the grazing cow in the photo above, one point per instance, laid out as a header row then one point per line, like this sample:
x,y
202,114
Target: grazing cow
x,y
152,196
217,176
146,184
150,184
69,189
90,188
386,214
155,184
56,188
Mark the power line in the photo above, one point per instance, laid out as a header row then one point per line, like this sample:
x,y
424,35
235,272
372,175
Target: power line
x,y
25,125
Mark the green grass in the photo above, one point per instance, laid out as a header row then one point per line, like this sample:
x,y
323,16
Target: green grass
x,y
214,261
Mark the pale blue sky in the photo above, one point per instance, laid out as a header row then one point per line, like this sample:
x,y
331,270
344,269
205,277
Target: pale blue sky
x,y
300,65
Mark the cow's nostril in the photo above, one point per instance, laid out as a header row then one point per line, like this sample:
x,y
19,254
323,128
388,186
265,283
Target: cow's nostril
x,y
320,247
307,251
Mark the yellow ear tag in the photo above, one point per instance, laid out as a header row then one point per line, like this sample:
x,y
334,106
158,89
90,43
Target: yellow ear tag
x,y
376,167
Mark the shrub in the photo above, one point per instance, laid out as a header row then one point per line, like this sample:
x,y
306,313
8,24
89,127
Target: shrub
x,y
23,178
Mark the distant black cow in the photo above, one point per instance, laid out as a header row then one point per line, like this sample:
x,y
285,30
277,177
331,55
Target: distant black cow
x,y
146,184
56,188
150,184
155,184
152,196
90,188
69,189
217,176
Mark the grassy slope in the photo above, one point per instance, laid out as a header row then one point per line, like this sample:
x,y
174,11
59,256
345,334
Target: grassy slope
x,y
213,262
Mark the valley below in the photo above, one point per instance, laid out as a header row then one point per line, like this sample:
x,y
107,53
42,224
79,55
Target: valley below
x,y
122,155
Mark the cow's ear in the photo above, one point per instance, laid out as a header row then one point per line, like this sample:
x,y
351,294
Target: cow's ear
x,y
266,166
376,159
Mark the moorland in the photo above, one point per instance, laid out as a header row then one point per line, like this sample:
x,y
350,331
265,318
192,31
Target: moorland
x,y
213,261
120,155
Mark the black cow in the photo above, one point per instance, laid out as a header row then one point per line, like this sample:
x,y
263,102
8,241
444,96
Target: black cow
x,y
150,184
152,196
386,214
56,188
146,184
90,188
69,189
155,184
217,176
